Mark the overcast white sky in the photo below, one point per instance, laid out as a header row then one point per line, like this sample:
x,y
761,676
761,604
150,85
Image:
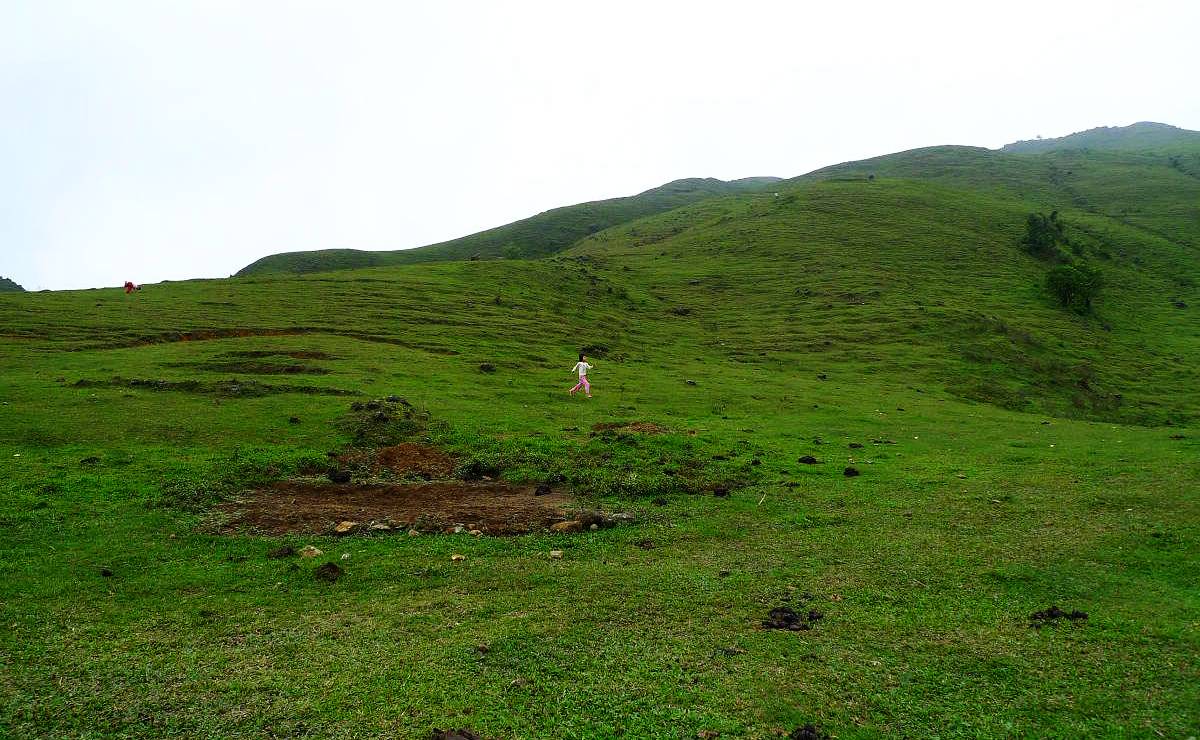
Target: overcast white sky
x,y
171,139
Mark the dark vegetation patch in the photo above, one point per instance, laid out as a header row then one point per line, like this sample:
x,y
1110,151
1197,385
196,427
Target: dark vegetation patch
x,y
1054,614
459,734
248,367
385,421
628,427
329,572
203,335
808,732
851,472
787,618
295,354
222,388
318,508
281,553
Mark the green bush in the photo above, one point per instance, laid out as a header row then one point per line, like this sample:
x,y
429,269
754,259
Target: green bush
x,y
1043,235
1075,286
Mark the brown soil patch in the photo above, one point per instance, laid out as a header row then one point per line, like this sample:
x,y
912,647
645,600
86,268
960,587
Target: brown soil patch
x,y
316,508
634,427
405,460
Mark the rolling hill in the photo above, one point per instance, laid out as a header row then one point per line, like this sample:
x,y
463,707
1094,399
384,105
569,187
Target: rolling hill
x,y
852,469
8,286
536,236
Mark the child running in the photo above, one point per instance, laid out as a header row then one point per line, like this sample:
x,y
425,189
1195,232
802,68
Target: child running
x,y
582,367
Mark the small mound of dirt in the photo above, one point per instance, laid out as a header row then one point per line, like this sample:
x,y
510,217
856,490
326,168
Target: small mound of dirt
x,y
417,460
329,572
280,553
628,427
787,618
1053,614
851,472
317,508
808,460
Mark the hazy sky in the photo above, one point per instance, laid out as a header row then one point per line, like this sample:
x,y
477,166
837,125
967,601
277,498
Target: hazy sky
x,y
168,139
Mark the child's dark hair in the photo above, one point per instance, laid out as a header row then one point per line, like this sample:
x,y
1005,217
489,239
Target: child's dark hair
x,y
581,357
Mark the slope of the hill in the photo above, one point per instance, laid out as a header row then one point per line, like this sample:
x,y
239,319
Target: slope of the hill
x,y
8,286
918,281
545,233
1144,135
1157,192
796,365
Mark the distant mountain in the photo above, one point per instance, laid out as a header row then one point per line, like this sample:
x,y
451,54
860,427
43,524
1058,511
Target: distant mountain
x,y
1145,135
537,236
8,286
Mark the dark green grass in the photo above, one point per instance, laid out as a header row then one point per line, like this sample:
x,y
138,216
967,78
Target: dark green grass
x,y
913,301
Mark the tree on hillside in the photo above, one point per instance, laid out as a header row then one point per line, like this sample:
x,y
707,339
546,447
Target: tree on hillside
x,y
1075,286
1043,235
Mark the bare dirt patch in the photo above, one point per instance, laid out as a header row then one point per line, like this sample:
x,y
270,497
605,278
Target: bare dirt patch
x,y
628,427
404,460
318,508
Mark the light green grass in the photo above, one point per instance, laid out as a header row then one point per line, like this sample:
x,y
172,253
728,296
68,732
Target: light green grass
x,y
911,299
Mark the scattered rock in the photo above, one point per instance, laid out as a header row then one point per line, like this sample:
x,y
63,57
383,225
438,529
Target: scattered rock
x,y
856,445
690,382
883,441
280,553
808,460
822,376
1053,614
381,527
487,367
568,527
787,618
707,735
556,554
308,551
476,532
541,490
1179,304
106,572
1178,436
850,472
338,476
345,527
329,572
457,558
413,532
293,420
483,648
88,462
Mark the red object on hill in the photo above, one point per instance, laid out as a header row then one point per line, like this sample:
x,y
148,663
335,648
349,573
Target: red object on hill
x,y
129,287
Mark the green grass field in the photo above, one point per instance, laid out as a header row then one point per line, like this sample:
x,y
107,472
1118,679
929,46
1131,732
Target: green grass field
x,y
1013,456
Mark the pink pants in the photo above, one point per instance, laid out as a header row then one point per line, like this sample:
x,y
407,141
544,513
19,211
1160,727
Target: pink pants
x,y
587,387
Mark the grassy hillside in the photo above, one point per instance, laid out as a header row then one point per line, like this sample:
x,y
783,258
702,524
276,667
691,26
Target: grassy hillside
x,y
8,286
1145,135
1011,456
540,235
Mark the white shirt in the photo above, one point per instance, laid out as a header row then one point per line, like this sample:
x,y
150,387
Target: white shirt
x,y
582,367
